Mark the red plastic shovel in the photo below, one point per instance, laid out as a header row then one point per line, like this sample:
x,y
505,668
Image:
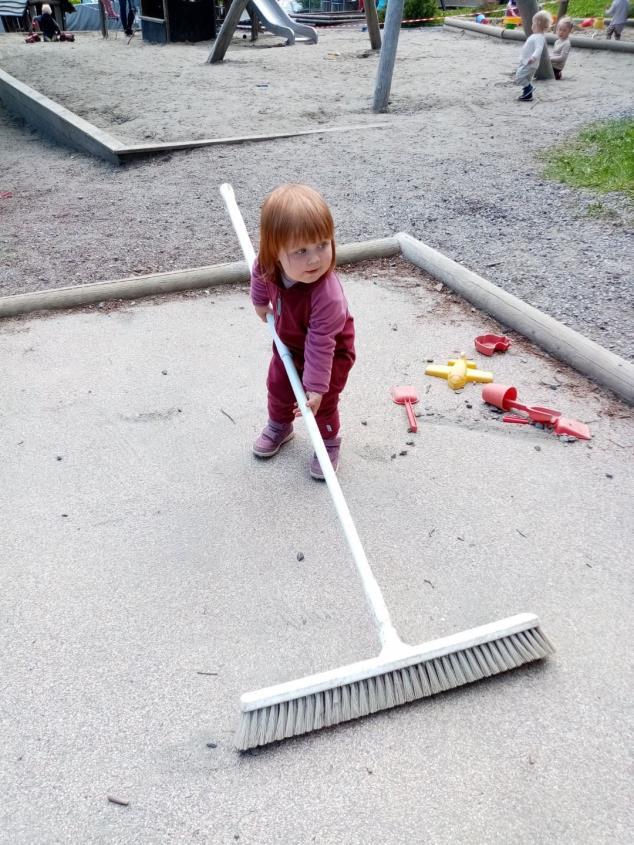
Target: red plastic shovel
x,y
408,396
503,397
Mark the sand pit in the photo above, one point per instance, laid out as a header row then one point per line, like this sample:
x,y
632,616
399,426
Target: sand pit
x,y
455,164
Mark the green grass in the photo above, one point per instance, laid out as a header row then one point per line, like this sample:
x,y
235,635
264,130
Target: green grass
x,y
582,8
601,157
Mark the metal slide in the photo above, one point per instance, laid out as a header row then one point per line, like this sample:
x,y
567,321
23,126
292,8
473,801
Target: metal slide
x,y
275,20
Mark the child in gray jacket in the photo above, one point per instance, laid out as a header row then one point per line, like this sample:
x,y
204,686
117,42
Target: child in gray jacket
x,y
619,11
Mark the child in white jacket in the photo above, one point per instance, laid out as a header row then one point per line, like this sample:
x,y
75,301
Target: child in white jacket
x,y
531,54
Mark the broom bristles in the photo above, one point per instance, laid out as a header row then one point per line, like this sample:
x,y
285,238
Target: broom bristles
x,y
299,713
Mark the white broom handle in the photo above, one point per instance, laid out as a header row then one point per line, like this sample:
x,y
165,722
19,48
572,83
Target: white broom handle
x,y
226,192
387,632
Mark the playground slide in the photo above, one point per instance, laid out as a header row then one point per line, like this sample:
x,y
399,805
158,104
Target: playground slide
x,y
275,20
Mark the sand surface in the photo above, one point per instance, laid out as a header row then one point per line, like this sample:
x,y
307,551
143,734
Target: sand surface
x,y
455,162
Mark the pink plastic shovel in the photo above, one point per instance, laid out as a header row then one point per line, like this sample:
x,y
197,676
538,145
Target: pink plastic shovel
x,y
408,396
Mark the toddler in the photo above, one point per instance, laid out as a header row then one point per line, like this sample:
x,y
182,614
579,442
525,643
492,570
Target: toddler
x,y
293,279
512,10
561,47
619,11
531,54
47,24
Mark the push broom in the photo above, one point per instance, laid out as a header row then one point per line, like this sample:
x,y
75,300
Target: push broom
x,y
401,673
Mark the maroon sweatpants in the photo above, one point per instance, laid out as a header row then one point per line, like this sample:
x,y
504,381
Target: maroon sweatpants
x,y
282,398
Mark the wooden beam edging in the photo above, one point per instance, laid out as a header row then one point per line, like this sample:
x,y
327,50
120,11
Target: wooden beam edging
x,y
130,150
584,355
518,35
196,278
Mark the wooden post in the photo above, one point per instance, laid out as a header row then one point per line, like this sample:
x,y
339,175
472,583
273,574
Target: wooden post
x,y
372,20
103,25
255,21
387,58
528,9
229,25
563,8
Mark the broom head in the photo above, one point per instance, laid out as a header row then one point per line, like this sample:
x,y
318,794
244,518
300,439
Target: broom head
x,y
400,674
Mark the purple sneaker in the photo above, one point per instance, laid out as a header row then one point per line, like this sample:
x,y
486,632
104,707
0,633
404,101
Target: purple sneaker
x,y
274,436
332,447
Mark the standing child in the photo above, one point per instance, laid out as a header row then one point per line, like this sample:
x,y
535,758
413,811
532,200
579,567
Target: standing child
x,y
531,54
619,11
293,279
561,48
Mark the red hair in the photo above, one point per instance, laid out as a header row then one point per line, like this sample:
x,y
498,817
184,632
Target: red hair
x,y
292,215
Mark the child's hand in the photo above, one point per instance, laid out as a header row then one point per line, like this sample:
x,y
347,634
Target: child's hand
x,y
262,311
314,401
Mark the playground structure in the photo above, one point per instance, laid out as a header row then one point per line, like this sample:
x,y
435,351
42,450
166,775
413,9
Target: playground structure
x,y
272,18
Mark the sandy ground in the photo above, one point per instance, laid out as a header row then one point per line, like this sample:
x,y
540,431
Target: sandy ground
x,y
455,163
150,576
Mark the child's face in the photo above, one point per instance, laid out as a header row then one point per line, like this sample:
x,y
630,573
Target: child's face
x,y
563,30
306,263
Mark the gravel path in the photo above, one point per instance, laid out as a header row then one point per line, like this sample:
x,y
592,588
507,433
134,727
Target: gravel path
x,y
455,163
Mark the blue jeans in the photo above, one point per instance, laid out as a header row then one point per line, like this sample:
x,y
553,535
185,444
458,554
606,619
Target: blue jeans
x,y
127,9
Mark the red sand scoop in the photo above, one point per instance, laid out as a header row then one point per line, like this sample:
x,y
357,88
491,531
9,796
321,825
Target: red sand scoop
x,y
503,397
408,396
487,344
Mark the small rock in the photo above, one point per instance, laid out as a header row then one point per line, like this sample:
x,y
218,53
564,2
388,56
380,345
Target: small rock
x,y
212,745
364,422
410,443
58,458
164,372
403,452
300,555
392,456
65,514
468,404
609,475
538,448
438,287
429,360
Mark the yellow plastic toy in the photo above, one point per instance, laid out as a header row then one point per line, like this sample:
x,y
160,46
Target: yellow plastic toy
x,y
459,372
599,23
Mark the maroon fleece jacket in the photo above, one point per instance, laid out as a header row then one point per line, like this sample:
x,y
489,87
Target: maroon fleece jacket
x,y
312,320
